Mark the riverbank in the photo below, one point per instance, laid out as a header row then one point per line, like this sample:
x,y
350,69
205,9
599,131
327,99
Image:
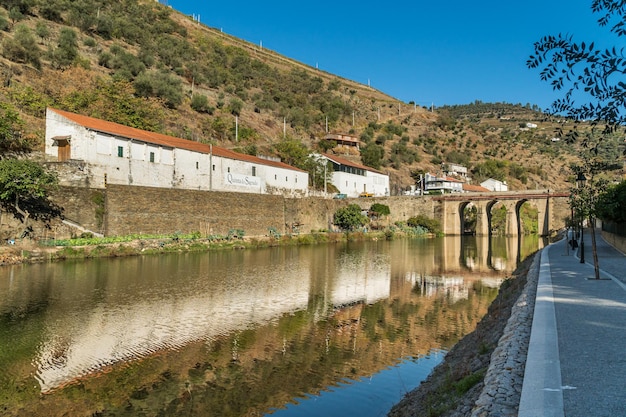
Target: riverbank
x,y
482,375
30,251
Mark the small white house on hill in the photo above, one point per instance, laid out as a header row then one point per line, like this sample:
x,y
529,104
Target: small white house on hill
x,y
118,154
353,179
495,185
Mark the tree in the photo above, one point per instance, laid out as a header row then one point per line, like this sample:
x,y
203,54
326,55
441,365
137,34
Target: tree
x,y
586,73
162,85
349,218
24,188
11,127
320,171
235,106
293,152
372,155
23,47
594,77
611,204
42,30
200,103
67,50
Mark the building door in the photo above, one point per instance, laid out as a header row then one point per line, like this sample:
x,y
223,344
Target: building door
x,y
64,151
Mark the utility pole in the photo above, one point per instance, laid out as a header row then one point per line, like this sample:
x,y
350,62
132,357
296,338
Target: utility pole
x,y
210,167
325,164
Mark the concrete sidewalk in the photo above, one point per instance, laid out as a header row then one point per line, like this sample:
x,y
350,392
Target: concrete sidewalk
x,y
576,364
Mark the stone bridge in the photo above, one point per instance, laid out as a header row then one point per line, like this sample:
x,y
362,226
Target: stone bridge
x,y
552,206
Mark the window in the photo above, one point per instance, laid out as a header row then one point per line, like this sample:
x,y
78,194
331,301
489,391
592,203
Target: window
x,y
197,164
151,156
254,171
275,176
213,167
286,179
120,151
228,169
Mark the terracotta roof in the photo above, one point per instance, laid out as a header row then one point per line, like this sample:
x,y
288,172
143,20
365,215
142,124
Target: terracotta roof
x,y
165,140
475,188
349,163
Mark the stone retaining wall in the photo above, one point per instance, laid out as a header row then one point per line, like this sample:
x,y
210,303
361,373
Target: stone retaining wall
x,y
158,210
121,210
617,241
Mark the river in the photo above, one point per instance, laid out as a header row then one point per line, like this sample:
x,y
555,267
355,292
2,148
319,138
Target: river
x,y
335,329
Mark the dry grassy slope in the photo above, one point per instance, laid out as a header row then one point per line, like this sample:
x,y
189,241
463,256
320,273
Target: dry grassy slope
x,y
480,140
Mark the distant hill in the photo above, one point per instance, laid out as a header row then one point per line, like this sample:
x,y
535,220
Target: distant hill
x,y
143,64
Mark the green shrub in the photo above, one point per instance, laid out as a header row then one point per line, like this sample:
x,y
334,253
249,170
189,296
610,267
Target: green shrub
x,y
161,85
22,47
349,218
432,225
380,209
67,49
4,23
200,103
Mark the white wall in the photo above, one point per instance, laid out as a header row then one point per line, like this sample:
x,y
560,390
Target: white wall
x,y
352,185
150,165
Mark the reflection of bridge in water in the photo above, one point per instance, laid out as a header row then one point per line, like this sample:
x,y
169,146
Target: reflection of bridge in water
x,y
479,256
552,207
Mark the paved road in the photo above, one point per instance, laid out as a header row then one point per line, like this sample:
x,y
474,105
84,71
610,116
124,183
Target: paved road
x,y
576,364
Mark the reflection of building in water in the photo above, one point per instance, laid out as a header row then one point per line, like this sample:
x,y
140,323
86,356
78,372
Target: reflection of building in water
x,y
115,333
367,283
119,330
457,288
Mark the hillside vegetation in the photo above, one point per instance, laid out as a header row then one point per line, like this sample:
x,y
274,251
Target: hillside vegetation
x,y
145,65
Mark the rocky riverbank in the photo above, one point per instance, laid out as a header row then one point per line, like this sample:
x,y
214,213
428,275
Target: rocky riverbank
x,y
482,375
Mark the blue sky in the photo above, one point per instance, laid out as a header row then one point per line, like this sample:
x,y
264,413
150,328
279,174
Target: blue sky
x,y
430,52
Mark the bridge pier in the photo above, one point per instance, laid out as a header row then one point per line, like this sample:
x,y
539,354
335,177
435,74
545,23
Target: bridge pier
x,y
482,219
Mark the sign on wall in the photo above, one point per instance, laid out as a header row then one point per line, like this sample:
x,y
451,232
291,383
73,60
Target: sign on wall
x,y
243,180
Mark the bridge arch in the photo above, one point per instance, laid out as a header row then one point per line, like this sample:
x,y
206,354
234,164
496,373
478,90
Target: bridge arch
x,y
453,206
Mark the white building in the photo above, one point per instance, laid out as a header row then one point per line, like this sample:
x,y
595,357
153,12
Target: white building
x,y
353,179
117,154
495,185
433,183
455,170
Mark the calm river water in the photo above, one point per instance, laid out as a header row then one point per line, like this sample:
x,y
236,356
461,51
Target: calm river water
x,y
333,330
